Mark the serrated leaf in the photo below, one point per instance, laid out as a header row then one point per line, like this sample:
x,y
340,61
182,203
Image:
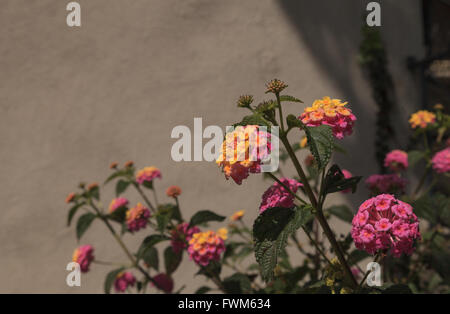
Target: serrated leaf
x,y
335,181
84,223
121,186
320,143
204,216
149,242
172,260
151,258
110,278
290,99
73,211
237,284
271,231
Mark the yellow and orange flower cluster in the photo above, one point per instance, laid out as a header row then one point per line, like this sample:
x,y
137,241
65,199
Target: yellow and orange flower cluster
x,y
205,247
237,215
422,119
330,112
242,152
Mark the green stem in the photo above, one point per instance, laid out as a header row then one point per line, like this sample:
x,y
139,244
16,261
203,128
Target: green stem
x,y
122,245
280,112
147,201
319,214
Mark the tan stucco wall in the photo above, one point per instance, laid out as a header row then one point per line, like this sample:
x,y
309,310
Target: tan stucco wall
x,y
73,100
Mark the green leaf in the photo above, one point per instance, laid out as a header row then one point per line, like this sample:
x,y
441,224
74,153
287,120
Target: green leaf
x,y
73,211
149,242
433,208
202,290
83,223
119,214
204,216
110,278
148,184
163,216
293,122
290,98
237,283
335,181
172,260
271,231
342,212
121,186
120,173
320,143
254,119
151,258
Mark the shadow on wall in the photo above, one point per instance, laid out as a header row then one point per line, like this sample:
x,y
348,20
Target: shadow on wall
x,y
332,32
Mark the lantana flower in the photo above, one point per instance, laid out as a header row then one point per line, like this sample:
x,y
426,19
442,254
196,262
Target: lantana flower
x,y
70,198
123,281
277,196
147,174
173,191
330,112
385,223
422,119
243,151
386,183
205,247
137,217
237,215
182,235
83,255
396,160
116,203
223,233
441,161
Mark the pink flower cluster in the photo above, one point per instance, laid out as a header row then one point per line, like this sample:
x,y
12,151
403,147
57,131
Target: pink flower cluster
x,y
137,217
116,203
441,161
164,282
277,196
384,222
205,247
386,183
147,174
123,281
330,112
84,255
181,236
396,160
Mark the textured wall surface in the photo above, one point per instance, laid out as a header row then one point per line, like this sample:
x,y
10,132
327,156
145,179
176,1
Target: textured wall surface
x,y
74,99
